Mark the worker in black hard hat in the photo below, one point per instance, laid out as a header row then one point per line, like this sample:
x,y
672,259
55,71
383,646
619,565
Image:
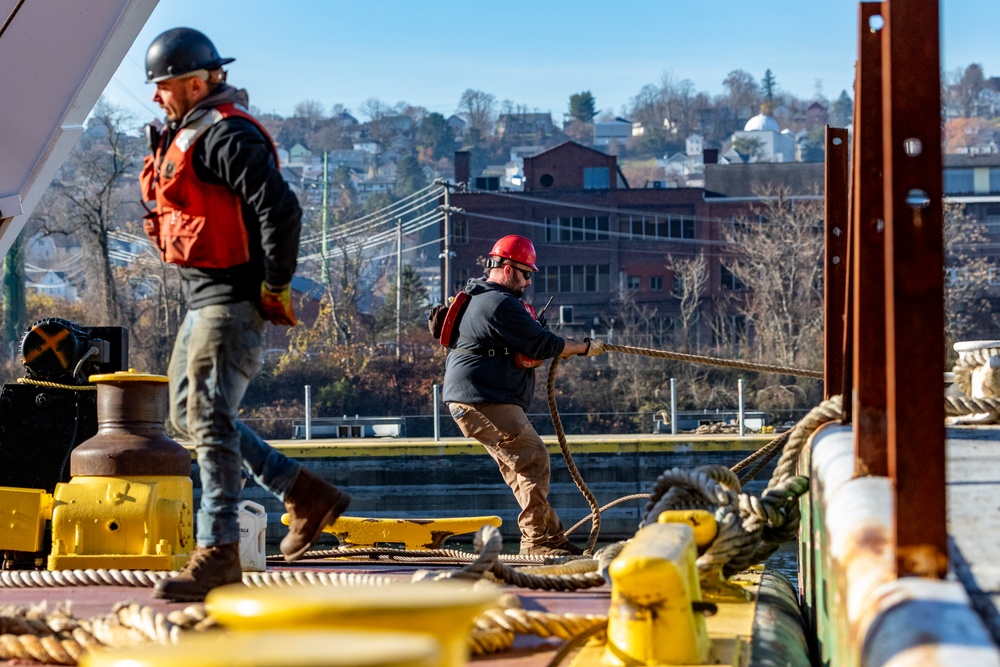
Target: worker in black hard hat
x,y
224,215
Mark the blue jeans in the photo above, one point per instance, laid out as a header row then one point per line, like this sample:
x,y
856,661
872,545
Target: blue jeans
x,y
218,350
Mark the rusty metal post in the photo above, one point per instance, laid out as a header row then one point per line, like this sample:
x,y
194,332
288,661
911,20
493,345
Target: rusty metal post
x,y
911,90
868,258
835,181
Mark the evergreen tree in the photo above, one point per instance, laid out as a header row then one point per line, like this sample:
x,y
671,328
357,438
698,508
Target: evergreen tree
x,y
409,177
768,87
435,137
842,110
583,106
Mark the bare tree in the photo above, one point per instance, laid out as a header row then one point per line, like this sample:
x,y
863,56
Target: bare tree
x,y
967,276
965,89
480,110
742,93
311,111
89,199
690,278
778,262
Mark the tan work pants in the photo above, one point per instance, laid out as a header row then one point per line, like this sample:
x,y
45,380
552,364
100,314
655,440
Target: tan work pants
x,y
508,436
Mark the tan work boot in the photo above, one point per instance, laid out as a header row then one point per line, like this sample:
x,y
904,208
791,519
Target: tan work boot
x,y
566,548
207,568
312,505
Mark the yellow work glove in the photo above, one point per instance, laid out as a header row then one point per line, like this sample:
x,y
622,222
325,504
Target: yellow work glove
x,y
276,304
594,347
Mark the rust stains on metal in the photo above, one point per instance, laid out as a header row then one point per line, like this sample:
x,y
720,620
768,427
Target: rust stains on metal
x,y
868,261
835,256
915,281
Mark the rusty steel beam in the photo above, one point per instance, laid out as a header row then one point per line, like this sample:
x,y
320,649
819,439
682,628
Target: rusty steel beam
x,y
914,294
868,256
835,182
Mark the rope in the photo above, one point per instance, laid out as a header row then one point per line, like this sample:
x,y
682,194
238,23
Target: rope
x,y
635,496
58,638
763,456
595,513
967,362
956,406
430,556
484,641
713,361
56,385
148,579
574,643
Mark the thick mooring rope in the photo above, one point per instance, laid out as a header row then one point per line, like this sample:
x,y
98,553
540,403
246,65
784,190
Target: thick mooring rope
x,y
148,579
595,510
714,361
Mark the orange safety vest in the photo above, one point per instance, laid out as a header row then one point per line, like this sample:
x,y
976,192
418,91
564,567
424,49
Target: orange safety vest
x,y
195,224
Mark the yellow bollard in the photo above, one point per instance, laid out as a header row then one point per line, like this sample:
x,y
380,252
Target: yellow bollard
x,y
653,583
277,649
701,521
444,609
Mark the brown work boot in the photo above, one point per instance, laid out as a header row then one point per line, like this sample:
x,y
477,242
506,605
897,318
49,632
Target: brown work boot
x,y
566,548
312,505
207,568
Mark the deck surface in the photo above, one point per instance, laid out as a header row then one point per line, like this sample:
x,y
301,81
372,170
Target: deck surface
x,y
973,475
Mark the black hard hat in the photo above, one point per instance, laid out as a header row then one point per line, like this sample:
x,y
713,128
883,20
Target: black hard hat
x,y
180,51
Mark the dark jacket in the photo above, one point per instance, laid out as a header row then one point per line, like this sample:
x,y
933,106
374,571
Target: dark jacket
x,y
496,320
234,152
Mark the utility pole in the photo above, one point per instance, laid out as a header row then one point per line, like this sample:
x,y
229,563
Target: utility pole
x,y
325,269
447,254
399,285
446,279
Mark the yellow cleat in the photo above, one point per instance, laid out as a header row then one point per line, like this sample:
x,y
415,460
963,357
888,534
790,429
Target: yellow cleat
x,y
415,534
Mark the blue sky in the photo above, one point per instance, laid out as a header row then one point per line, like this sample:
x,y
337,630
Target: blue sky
x,y
427,52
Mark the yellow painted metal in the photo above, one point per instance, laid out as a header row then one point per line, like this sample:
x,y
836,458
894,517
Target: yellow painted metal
x,y
653,583
729,632
355,531
131,375
23,513
701,521
443,609
288,648
136,523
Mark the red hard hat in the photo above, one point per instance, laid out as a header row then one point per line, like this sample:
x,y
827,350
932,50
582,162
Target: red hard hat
x,y
517,249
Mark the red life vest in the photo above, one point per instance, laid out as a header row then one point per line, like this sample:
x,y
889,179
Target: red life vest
x,y
195,224
448,333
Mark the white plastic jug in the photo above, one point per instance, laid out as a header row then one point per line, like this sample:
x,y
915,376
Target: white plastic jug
x,y
253,530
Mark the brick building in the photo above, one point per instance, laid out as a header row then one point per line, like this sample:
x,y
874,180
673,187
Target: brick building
x,y
597,237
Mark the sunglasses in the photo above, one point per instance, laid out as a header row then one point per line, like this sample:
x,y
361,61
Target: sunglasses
x,y
524,272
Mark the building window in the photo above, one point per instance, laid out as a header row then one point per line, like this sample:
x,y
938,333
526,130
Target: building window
x,y
460,231
729,281
568,230
958,181
572,278
661,227
633,282
546,180
596,178
656,283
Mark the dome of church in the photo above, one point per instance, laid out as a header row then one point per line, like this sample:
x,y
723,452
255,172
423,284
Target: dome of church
x,y
762,123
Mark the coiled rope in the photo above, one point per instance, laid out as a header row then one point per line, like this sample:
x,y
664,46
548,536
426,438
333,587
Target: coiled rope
x,y
148,578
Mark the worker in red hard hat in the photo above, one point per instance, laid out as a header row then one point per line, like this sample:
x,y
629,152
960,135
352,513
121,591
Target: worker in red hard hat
x,y
222,213
488,387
